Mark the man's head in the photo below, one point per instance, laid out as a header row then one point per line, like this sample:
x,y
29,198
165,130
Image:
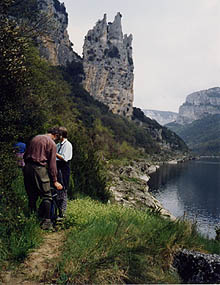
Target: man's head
x,y
63,132
55,133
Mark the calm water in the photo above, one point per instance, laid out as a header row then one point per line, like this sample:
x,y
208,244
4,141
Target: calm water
x,y
192,188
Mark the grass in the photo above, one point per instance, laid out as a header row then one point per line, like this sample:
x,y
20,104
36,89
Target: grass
x,y
112,244
29,237
106,243
19,232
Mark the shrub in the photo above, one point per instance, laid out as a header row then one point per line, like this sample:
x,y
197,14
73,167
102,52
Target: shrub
x,y
87,169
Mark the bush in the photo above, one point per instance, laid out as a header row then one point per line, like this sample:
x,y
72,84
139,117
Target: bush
x,y
89,176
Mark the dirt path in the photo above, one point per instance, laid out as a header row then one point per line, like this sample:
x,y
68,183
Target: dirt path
x,y
39,265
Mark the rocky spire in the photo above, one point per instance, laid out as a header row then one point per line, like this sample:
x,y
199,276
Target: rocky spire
x,y
115,29
108,66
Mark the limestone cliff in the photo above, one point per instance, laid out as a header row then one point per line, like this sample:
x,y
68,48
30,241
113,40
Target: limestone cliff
x,y
162,117
108,66
54,44
199,104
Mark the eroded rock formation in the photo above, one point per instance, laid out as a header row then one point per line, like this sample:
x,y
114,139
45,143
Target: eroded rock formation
x,y
108,66
54,44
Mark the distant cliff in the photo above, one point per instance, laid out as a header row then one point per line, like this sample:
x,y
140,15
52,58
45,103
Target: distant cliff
x,y
198,122
108,66
198,105
162,117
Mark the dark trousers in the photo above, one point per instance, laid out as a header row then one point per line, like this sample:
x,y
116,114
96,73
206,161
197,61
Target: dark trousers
x,y
63,169
37,184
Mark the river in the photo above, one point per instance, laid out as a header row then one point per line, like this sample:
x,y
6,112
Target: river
x,y
191,188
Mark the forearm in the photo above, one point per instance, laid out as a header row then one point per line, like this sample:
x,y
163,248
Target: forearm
x,y
59,156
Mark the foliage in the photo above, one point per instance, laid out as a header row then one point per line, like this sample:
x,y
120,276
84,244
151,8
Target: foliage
x,y
18,231
167,135
48,103
88,171
116,245
202,136
35,96
13,82
73,73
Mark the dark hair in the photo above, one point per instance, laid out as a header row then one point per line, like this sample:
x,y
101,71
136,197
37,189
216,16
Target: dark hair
x,y
63,132
54,131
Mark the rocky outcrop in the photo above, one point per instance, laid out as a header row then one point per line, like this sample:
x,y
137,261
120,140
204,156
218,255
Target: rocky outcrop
x,y
129,187
198,105
162,117
108,66
54,43
197,268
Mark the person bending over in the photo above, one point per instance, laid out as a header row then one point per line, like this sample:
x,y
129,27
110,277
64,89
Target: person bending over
x,y
40,173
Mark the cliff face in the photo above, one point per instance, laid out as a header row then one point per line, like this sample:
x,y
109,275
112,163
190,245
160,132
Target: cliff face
x,y
199,104
55,45
108,66
107,56
162,117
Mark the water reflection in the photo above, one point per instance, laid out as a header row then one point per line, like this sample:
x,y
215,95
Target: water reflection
x,y
192,188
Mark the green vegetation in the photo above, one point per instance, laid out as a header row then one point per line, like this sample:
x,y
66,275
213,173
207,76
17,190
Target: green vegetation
x,y
35,96
201,136
19,231
104,243
114,245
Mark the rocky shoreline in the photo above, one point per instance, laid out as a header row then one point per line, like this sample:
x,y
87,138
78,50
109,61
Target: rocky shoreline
x,y
129,188
129,184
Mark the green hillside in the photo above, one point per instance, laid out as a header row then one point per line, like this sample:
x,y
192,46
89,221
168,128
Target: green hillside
x,y
201,136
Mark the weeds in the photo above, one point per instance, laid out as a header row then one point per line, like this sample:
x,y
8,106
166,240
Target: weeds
x,y
19,232
112,244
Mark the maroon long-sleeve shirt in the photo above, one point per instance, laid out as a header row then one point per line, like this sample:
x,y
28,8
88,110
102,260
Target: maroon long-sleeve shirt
x,y
42,149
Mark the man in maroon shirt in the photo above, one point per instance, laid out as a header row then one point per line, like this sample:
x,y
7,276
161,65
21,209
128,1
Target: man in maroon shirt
x,y
40,173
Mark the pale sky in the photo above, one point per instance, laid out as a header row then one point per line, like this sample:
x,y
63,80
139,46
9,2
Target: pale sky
x,y
176,44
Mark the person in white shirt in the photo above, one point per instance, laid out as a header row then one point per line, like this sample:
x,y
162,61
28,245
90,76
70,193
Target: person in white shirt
x,y
64,155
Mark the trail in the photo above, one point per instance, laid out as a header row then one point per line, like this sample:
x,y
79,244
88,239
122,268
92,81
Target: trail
x,y
38,267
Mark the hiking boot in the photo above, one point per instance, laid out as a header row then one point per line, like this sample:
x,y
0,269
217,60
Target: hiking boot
x,y
47,225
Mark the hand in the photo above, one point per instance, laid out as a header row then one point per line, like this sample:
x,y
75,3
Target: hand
x,y
58,186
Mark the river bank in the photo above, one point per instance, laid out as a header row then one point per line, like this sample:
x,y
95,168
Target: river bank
x,y
130,189
107,243
129,183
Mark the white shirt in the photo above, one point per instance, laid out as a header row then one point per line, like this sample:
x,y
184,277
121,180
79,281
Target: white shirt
x,y
65,149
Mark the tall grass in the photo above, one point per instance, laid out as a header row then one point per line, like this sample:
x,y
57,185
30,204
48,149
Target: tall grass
x,y
111,244
19,232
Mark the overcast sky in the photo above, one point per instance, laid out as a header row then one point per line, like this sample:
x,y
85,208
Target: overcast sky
x,y
176,44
